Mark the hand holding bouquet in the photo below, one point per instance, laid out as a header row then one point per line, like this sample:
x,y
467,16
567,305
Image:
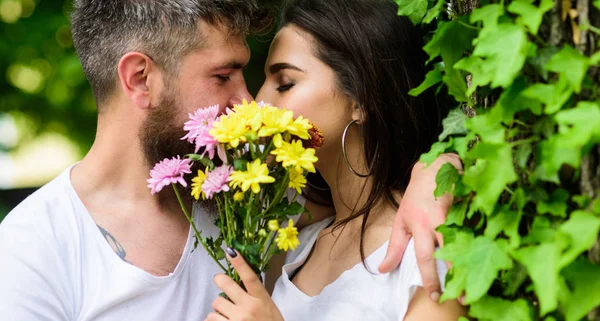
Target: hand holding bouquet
x,y
262,153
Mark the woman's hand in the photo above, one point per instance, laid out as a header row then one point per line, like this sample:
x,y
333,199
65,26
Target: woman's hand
x,y
254,305
420,213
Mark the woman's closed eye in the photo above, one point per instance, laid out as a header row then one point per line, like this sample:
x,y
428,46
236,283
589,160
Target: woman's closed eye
x,y
285,87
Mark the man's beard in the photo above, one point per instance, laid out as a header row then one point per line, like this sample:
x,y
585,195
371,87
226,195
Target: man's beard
x,y
161,131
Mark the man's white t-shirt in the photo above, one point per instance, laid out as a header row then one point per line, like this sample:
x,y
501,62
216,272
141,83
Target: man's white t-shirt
x,y
357,294
55,265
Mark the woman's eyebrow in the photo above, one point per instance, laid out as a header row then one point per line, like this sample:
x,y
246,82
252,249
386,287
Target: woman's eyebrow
x,y
274,68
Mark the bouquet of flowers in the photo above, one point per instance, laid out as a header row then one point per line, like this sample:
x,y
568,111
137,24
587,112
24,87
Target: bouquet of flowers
x,y
263,153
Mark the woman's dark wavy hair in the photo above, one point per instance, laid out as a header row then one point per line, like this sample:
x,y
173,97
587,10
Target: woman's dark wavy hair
x,y
377,58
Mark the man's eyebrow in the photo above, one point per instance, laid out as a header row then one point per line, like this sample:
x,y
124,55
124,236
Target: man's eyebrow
x,y
274,68
231,65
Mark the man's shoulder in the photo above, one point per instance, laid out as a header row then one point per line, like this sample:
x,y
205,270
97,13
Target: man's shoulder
x,y
47,209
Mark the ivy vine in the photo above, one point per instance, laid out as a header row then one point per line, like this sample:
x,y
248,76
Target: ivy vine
x,y
523,239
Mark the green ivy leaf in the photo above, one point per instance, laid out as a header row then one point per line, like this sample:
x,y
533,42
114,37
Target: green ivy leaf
x,y
512,101
493,170
581,200
457,86
522,154
552,157
539,61
480,72
488,127
488,15
597,4
540,232
496,309
585,280
432,78
436,150
530,15
513,279
579,126
446,177
570,63
583,229
461,145
542,263
435,11
457,213
519,199
557,205
477,264
454,124
454,233
504,48
455,243
450,40
554,96
507,221
413,9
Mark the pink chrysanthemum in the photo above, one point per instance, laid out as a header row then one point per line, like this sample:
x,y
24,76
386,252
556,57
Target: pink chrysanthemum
x,y
167,172
204,139
216,181
198,126
199,121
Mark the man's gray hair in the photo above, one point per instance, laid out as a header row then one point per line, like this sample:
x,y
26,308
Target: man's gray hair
x,y
165,30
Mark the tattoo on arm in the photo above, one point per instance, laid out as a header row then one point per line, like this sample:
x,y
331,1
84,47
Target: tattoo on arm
x,y
116,246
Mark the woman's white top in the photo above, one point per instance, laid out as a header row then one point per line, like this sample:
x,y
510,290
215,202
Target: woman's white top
x,y
357,294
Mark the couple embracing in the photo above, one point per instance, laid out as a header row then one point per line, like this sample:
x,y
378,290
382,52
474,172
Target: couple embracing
x,y
94,244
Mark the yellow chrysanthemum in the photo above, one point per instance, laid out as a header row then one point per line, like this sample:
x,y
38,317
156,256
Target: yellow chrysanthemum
x,y
262,232
229,129
297,180
197,185
287,237
294,154
238,197
257,173
250,113
300,128
275,121
273,225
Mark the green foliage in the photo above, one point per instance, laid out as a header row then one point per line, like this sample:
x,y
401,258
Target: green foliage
x,y
519,237
42,82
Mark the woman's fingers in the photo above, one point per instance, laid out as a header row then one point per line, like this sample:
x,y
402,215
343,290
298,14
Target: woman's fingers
x,y
213,316
247,275
424,249
223,306
397,245
229,287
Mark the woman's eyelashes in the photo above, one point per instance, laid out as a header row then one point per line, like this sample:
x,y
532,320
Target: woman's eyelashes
x,y
285,87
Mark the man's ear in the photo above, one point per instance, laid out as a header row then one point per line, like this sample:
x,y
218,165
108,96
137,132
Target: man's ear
x,y
134,72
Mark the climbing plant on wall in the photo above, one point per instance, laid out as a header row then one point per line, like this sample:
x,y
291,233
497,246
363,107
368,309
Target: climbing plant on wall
x,y
523,236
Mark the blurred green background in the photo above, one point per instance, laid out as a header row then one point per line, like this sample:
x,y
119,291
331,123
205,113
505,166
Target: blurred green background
x,y
47,111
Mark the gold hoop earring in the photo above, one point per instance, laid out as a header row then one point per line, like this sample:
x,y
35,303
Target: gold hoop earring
x,y
344,151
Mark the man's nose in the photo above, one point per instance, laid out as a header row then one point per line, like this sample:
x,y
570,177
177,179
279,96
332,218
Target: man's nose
x,y
237,99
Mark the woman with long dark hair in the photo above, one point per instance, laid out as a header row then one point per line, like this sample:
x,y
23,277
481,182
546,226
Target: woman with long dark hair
x,y
348,66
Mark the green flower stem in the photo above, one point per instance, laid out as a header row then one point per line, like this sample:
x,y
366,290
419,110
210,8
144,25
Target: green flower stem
x,y
268,252
279,195
267,151
193,224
